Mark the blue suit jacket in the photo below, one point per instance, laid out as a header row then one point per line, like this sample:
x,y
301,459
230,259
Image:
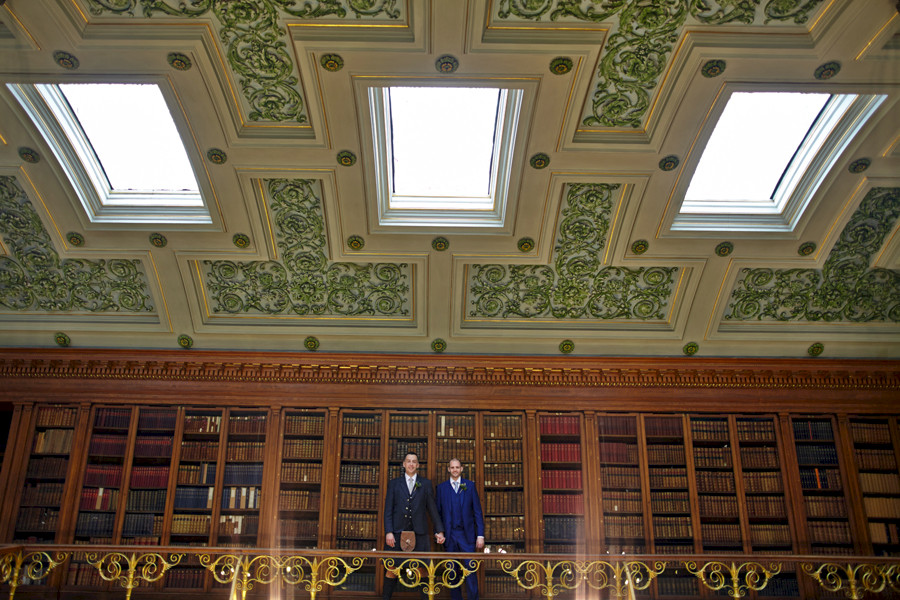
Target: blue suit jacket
x,y
472,517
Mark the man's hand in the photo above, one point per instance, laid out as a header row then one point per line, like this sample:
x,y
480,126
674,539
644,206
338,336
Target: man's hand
x,y
479,543
389,540
440,538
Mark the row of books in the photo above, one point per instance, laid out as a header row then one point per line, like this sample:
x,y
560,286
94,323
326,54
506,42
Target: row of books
x,y
49,416
715,481
310,449
763,482
42,494
307,529
204,473
616,501
502,586
770,534
568,504
766,506
669,502
301,473
190,524
199,450
146,500
408,426
202,423
238,525
249,474
508,528
108,445
709,429
462,449
361,449
560,425
627,526
95,524
113,418
367,474
456,426
825,507
557,548
185,577
160,419
505,426
718,506
759,457
620,478
358,498
663,426
83,575
153,447
672,527
882,508
566,479
621,426
755,431
618,452
247,424
103,475
245,450
829,532
870,433
560,452
53,441
99,499
357,526
665,454
47,467
817,454
244,497
37,519
884,533
813,430
875,458
194,497
506,502
712,457
563,528
503,450
503,475
721,533
149,477
369,426
663,477
304,424
298,500
879,483
398,449
138,525
820,479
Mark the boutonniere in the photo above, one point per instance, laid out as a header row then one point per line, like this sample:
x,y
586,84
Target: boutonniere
x,y
417,486
462,486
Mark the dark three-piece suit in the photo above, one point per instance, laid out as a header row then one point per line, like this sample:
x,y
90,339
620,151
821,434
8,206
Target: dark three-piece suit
x,y
407,512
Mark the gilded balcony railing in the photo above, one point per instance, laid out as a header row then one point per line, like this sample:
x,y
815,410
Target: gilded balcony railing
x,y
313,572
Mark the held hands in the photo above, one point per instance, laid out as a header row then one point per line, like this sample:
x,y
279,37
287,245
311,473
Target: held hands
x,y
479,544
439,537
389,540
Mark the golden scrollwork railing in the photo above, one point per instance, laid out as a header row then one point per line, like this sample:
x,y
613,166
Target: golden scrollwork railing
x,y
147,567
717,575
440,574
551,575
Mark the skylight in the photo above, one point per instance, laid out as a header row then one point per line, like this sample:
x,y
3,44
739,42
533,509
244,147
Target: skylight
x,y
443,141
443,155
120,148
138,145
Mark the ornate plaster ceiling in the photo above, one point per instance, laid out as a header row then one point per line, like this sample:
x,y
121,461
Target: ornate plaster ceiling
x,y
618,97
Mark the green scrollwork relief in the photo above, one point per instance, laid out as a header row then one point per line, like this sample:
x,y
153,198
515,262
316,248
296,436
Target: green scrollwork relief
x,y
577,285
34,277
256,41
643,36
845,289
303,282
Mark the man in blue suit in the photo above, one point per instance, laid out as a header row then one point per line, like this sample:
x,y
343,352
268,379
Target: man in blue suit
x,y
460,509
409,499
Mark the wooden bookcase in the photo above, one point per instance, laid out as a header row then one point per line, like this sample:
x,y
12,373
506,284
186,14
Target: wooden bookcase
x,y
300,481
622,489
875,455
562,484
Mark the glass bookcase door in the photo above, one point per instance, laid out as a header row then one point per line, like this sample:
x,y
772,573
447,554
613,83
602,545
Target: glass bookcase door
x,y
408,432
299,500
720,522
875,454
622,494
562,488
242,478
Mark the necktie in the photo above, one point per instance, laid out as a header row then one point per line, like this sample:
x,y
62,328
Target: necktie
x,y
456,486
409,484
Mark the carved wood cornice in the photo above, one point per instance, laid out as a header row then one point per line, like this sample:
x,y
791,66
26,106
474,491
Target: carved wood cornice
x,y
450,370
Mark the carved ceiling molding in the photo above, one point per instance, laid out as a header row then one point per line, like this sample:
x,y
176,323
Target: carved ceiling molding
x,y
465,371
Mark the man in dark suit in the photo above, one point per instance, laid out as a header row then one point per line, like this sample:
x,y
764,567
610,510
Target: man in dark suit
x,y
457,501
408,499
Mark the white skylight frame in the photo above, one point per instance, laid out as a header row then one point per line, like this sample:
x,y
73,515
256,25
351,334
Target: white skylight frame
x,y
48,108
469,211
832,132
